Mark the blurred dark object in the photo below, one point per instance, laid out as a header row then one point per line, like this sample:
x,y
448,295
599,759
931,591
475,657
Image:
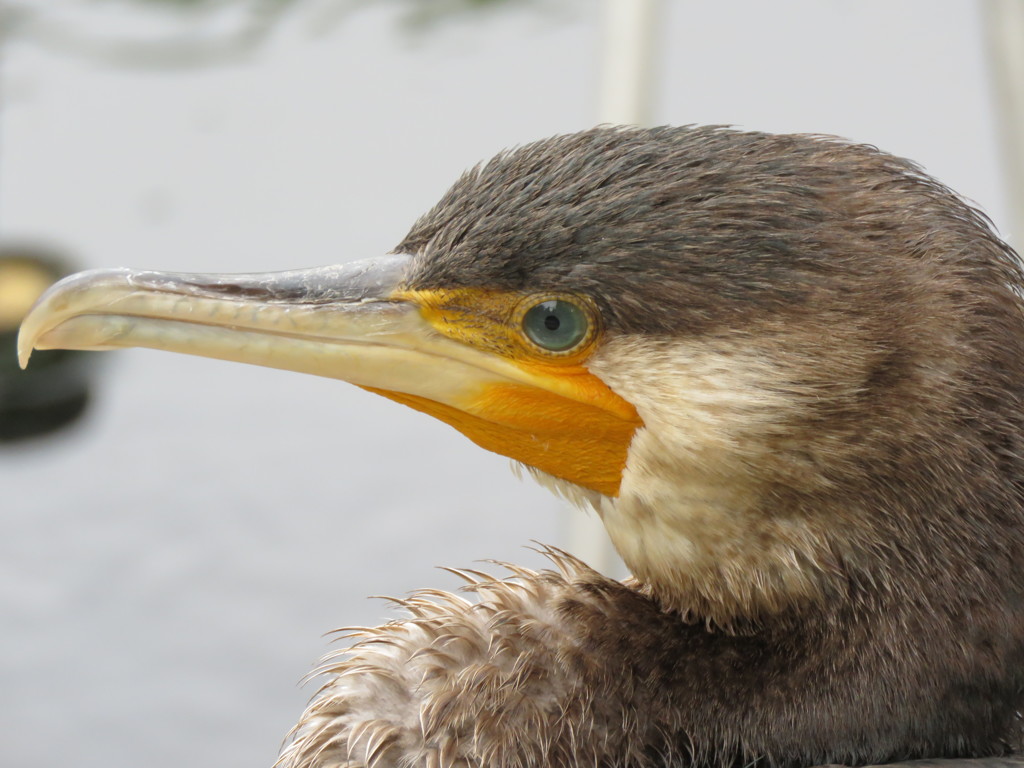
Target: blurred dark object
x,y
54,392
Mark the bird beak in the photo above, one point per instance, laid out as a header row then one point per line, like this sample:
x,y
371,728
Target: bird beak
x,y
330,321
346,322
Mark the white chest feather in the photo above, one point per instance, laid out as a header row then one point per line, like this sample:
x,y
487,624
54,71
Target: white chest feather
x,y
690,519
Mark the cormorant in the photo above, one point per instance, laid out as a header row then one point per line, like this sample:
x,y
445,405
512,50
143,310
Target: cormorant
x,y
786,371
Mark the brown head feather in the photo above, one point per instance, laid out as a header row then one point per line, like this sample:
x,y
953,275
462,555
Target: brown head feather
x,y
871,573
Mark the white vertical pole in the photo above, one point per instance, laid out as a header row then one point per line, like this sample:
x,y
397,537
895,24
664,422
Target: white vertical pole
x,y
627,95
628,67
1004,22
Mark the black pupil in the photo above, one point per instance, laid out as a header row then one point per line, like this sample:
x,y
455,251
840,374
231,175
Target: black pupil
x,y
555,325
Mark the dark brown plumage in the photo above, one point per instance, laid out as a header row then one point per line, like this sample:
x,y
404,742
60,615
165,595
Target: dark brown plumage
x,y
891,315
820,352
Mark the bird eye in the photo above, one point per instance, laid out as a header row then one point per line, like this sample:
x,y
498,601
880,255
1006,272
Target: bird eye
x,y
556,325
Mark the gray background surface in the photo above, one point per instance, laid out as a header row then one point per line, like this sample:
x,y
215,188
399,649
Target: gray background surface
x,y
168,568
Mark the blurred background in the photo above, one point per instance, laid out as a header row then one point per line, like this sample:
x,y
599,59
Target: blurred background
x,y
170,561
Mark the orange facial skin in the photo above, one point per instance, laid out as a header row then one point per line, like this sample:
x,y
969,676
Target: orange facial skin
x,y
558,417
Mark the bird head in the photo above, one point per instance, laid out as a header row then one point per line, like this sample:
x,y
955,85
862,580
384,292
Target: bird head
x,y
779,367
